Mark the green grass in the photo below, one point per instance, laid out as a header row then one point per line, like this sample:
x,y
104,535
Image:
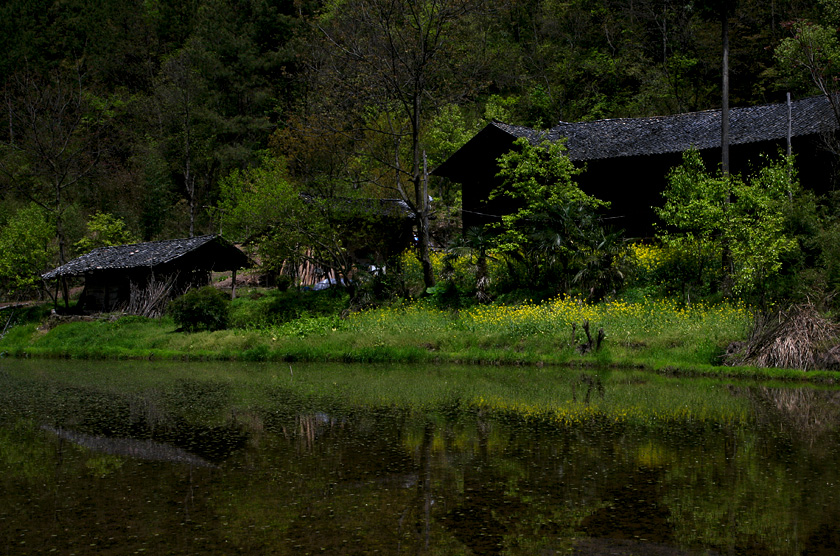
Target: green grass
x,y
650,333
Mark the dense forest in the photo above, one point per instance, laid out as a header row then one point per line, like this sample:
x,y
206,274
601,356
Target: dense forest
x,y
151,119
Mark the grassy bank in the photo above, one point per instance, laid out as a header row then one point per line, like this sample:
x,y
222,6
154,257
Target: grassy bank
x,y
654,334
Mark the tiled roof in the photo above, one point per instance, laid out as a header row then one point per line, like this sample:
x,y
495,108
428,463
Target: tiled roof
x,y
668,134
136,255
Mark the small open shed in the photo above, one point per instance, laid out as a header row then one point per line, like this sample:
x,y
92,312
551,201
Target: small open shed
x,y
113,274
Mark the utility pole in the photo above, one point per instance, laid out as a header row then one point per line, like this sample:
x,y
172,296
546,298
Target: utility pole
x,y
724,113
726,256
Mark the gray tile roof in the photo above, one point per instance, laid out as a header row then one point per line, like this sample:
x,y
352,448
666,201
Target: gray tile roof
x,y
668,134
136,255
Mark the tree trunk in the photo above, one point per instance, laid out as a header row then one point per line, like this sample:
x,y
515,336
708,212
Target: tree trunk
x,y
726,256
62,249
424,240
724,113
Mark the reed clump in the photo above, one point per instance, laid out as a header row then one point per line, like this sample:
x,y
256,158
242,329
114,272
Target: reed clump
x,y
795,338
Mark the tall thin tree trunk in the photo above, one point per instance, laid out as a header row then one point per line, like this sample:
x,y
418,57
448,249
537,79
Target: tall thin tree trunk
x,y
189,183
189,179
62,248
726,256
420,178
11,118
724,116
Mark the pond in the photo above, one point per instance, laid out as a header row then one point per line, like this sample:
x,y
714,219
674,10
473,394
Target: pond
x,y
208,458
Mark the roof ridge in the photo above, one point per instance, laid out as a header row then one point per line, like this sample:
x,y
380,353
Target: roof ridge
x,y
660,116
618,137
157,241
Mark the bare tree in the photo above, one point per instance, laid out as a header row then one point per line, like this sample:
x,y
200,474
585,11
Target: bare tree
x,y
384,64
182,123
53,141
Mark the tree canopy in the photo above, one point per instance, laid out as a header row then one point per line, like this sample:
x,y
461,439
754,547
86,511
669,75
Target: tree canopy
x,y
165,102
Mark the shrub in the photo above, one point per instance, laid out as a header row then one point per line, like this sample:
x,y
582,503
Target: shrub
x,y
201,309
275,307
447,295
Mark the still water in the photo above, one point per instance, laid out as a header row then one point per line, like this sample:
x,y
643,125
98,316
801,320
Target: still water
x,y
131,458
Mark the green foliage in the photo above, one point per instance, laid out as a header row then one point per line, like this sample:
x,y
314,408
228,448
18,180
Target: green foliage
x,y
707,213
26,250
272,308
604,264
252,200
811,54
201,309
263,206
448,131
553,237
105,230
447,295
537,180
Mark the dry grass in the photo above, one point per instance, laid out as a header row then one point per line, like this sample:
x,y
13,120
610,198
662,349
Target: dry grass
x,y
796,338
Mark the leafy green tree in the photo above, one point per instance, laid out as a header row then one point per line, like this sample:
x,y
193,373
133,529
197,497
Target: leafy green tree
x,y
757,224
185,128
263,207
536,179
216,97
105,230
552,217
812,53
52,144
27,249
383,67
704,212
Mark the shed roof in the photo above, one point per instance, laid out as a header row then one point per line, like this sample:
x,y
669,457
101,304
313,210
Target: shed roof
x,y
152,254
622,137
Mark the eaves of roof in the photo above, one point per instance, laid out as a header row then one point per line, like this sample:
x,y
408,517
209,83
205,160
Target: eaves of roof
x,y
137,255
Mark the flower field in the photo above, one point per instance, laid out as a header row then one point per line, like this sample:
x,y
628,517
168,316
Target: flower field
x,y
650,325
649,333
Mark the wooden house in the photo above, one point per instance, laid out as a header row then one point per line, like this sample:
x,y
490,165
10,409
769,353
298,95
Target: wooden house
x,y
110,273
626,160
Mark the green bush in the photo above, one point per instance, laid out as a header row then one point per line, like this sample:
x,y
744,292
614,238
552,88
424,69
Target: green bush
x,y
201,309
274,307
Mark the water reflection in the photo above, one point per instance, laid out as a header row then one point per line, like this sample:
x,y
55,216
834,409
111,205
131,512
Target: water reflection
x,y
803,413
137,449
189,466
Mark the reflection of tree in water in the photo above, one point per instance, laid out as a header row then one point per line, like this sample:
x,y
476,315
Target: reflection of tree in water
x,y
803,421
307,428
478,519
588,384
803,413
636,511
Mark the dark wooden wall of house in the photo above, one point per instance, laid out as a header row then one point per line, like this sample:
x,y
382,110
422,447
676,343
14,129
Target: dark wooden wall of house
x,y
110,290
634,185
